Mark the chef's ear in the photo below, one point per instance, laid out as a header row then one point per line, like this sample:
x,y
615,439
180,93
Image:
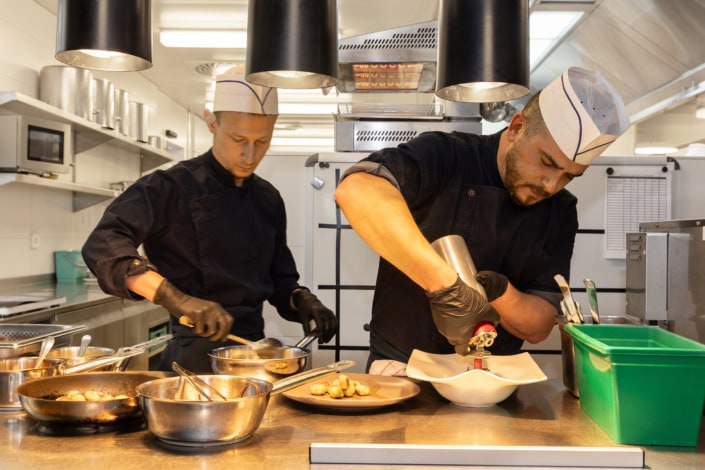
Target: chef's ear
x,y
211,120
517,125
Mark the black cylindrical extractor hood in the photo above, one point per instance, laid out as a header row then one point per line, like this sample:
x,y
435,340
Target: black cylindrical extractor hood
x,y
483,50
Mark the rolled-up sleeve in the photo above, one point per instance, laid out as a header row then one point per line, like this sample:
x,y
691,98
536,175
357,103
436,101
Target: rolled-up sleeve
x,y
134,216
373,168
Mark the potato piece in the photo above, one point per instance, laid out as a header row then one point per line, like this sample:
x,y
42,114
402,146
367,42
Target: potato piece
x,y
319,389
344,381
334,391
362,390
348,392
92,395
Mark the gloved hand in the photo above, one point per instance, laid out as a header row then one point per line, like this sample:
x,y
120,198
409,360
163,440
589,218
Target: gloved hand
x,y
310,308
495,284
209,319
456,310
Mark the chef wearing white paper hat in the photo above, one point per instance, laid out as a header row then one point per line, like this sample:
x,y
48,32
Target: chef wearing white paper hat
x,y
214,237
583,113
505,195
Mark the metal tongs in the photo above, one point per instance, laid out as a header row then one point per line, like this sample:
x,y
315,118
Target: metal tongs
x,y
570,308
204,388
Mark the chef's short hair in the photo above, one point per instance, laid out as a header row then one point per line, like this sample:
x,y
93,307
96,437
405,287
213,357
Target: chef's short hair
x,y
534,119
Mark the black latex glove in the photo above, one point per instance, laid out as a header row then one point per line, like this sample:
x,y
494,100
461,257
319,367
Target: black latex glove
x,y
209,319
310,308
495,284
457,310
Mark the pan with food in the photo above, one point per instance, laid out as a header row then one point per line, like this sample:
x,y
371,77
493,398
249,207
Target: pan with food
x,y
269,363
90,398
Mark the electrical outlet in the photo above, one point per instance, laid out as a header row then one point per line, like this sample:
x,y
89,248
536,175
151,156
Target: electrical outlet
x,y
34,240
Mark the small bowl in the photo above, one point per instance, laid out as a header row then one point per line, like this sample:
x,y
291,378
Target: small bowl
x,y
454,378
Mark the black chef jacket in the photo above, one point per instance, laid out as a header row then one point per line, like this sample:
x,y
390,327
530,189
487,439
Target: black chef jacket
x,y
207,236
452,185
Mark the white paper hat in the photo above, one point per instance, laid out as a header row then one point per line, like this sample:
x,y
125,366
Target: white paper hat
x,y
583,113
233,93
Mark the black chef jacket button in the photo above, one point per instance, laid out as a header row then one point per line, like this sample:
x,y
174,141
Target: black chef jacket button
x,y
472,193
196,205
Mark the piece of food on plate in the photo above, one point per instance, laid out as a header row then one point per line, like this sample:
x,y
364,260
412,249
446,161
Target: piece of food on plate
x,y
341,387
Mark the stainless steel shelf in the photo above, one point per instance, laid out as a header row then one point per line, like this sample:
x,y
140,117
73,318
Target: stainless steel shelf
x,y
88,134
83,195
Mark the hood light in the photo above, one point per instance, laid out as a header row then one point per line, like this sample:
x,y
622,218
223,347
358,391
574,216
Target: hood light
x,y
483,50
105,35
292,43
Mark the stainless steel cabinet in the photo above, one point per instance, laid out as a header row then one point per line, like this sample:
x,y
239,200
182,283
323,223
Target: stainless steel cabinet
x,y
117,323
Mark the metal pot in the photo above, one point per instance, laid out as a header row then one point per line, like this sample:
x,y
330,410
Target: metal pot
x,y
68,88
267,363
122,111
38,398
104,103
138,121
70,354
17,370
177,414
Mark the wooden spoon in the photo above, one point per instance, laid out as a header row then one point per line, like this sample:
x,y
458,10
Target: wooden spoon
x,y
262,343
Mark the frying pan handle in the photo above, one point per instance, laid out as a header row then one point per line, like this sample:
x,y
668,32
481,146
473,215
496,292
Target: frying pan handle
x,y
295,380
103,361
158,341
120,355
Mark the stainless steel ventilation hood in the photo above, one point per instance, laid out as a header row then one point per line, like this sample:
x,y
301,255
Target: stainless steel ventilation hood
x,y
395,60
650,50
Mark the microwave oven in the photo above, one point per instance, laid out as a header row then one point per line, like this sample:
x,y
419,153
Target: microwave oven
x,y
29,144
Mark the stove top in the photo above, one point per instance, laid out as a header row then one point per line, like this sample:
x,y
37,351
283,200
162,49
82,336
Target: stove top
x,y
16,304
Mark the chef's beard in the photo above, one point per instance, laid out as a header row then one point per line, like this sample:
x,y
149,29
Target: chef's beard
x,y
513,181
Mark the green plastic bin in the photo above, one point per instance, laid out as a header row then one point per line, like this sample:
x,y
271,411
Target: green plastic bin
x,y
642,385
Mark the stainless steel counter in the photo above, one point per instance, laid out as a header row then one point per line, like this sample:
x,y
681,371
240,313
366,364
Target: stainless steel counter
x,y
78,295
542,414
111,321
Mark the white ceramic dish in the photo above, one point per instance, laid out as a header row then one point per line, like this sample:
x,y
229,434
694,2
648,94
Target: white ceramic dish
x,y
450,376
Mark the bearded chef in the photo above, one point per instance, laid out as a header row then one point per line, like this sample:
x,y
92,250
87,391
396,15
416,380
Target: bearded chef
x,y
505,195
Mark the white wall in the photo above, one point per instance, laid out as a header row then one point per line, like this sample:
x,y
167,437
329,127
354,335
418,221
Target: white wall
x,y
27,43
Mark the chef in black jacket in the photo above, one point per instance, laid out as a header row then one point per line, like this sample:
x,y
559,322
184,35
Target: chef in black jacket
x,y
214,236
504,195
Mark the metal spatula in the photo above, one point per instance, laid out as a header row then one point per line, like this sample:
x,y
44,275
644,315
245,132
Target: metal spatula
x,y
592,300
570,304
